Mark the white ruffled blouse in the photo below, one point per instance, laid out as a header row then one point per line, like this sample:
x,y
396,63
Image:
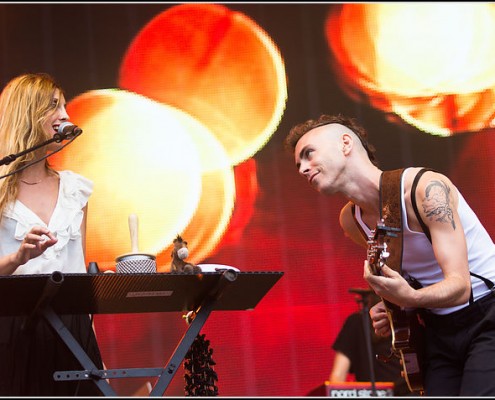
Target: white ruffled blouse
x,y
67,254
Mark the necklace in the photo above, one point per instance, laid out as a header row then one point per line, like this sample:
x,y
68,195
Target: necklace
x,y
31,183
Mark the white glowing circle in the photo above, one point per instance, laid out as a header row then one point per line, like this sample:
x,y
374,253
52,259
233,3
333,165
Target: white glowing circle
x,y
142,160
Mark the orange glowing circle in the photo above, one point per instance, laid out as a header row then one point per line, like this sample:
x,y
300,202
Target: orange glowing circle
x,y
439,79
247,190
215,64
144,158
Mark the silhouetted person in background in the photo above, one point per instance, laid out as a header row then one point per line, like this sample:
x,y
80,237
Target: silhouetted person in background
x,y
351,353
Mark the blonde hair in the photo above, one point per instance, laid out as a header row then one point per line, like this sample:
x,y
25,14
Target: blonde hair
x,y
25,103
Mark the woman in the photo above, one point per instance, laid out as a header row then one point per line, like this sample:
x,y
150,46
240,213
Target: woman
x,y
42,229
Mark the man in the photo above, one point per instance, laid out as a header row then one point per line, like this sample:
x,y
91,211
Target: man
x,y
445,248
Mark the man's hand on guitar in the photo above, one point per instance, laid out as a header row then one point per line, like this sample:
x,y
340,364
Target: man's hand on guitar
x,y
390,285
379,319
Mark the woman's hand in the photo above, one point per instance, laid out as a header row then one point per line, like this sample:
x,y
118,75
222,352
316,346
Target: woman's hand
x,y
36,241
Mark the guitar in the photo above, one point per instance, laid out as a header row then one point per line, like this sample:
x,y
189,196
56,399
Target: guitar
x,y
405,324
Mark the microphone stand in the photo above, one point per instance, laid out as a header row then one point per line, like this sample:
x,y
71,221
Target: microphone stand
x,y
364,302
58,137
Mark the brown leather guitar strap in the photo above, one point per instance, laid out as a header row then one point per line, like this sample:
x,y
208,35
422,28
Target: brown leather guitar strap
x,y
391,213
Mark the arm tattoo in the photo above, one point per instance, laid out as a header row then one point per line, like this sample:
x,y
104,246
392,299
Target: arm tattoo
x,y
436,204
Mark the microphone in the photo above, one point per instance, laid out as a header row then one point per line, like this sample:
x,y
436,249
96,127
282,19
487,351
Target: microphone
x,y
66,131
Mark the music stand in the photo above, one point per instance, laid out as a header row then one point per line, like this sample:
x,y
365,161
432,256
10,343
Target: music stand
x,y
47,296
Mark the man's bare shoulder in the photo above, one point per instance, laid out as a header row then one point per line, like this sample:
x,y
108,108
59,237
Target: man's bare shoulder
x,y
428,176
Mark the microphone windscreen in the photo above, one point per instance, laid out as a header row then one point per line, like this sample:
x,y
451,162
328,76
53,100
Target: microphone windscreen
x,y
68,130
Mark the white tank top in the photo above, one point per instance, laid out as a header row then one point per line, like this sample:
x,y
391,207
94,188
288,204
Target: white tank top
x,y
418,259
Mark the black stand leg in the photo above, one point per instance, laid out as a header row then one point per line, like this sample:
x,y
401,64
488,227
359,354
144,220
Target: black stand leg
x,y
191,333
76,349
181,350
367,334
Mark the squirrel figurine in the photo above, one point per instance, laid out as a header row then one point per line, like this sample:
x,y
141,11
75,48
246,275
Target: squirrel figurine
x,y
179,254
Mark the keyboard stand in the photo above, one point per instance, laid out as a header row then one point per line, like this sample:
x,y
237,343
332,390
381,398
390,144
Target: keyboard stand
x,y
55,294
